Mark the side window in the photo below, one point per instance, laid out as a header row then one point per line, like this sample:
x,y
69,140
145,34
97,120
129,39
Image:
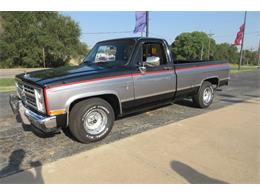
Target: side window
x,y
155,50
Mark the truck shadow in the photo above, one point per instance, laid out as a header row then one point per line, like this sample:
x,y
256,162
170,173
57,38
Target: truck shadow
x,y
14,166
193,176
235,99
228,98
33,129
143,110
253,96
37,132
186,102
67,133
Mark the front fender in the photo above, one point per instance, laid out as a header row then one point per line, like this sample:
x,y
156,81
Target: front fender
x,y
91,94
88,95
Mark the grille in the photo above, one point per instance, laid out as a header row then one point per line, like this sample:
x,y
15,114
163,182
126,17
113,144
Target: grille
x,y
26,93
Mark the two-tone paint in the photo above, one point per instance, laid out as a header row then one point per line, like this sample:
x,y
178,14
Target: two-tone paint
x,y
126,84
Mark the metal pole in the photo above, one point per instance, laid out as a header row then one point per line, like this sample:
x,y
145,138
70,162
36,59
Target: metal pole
x,y
242,44
210,35
201,52
258,55
147,24
209,49
43,57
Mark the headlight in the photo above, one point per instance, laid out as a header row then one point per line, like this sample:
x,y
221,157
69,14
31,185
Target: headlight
x,y
39,100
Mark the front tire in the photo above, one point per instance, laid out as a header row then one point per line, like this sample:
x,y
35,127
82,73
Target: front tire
x,y
205,95
91,120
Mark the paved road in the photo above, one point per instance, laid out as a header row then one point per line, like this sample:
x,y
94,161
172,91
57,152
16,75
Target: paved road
x,y
14,137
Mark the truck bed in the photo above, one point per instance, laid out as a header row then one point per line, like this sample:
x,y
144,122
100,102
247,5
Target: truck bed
x,y
191,74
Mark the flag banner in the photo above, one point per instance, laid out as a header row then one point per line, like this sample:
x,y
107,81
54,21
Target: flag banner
x,y
240,35
140,21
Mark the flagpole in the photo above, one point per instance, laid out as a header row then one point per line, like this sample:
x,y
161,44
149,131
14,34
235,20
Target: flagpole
x,y
242,44
258,55
147,23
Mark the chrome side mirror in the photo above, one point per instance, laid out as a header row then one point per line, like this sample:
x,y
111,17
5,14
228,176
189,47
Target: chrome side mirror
x,y
142,69
152,61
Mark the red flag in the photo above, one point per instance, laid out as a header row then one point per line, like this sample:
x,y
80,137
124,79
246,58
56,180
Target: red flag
x,y
240,35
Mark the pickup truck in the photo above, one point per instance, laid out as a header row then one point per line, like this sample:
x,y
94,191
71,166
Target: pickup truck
x,y
117,77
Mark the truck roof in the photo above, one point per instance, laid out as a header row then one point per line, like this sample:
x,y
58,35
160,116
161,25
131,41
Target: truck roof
x,y
133,38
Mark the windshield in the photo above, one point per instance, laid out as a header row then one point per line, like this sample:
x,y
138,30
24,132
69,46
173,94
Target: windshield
x,y
110,53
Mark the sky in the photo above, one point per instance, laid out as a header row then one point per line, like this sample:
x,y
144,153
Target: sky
x,y
168,25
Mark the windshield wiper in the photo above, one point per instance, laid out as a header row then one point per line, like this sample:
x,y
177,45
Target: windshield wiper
x,y
90,63
101,62
86,63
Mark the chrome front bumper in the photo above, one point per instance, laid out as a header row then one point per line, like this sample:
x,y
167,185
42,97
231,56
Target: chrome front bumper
x,y
45,124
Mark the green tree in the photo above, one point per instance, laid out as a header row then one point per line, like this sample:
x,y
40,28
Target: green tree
x,y
1,26
193,46
250,57
26,35
225,51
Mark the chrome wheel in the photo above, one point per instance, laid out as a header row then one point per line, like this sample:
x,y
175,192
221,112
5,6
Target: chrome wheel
x,y
95,121
207,95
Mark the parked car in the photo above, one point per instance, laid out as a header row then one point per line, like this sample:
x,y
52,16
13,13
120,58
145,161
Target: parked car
x,y
89,97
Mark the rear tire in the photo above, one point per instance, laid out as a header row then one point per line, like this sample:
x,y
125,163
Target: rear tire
x,y
91,120
205,95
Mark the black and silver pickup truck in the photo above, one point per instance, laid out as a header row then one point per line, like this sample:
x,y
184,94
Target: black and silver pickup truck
x,y
116,78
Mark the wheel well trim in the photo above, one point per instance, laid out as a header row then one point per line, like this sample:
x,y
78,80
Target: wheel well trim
x,y
211,77
89,95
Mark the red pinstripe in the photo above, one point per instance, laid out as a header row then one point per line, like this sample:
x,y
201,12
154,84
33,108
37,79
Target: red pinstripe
x,y
119,76
189,68
130,75
46,100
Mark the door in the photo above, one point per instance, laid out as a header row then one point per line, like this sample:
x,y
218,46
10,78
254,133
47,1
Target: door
x,y
158,80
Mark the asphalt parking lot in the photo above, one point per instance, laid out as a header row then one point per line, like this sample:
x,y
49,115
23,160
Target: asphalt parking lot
x,y
14,137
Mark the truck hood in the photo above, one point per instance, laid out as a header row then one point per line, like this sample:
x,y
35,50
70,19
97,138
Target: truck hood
x,y
62,74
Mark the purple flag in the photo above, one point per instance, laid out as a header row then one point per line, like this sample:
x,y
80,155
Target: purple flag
x,y
140,21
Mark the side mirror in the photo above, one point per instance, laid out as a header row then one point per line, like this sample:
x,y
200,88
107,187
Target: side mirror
x,y
152,61
142,69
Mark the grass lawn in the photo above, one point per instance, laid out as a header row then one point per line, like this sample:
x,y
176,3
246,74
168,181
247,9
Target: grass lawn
x,y
243,68
7,84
